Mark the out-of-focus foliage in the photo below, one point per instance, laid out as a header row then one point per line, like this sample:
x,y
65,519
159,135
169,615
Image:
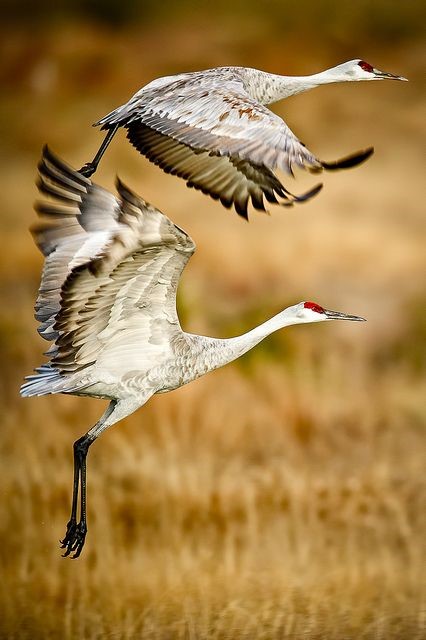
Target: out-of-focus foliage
x,y
365,19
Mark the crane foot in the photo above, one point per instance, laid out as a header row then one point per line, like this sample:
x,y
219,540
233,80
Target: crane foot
x,y
74,539
88,169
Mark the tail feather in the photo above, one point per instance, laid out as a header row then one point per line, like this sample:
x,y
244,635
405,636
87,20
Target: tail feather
x,y
47,380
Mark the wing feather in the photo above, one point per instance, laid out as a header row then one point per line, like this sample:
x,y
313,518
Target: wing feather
x,y
219,117
112,264
232,180
212,114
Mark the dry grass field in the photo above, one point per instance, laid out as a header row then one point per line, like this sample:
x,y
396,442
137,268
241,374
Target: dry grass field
x,y
282,497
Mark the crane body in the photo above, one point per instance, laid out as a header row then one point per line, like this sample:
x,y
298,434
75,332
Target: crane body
x,y
107,302
212,128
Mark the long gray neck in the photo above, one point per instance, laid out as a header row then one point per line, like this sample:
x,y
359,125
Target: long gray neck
x,y
215,352
268,87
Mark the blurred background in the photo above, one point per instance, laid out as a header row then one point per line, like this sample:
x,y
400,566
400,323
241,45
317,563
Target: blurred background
x,y
280,497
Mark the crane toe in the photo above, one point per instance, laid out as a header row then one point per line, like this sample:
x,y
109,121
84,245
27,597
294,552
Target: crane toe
x,y
74,539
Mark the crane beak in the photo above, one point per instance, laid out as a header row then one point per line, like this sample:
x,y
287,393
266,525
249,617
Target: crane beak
x,y
382,75
338,315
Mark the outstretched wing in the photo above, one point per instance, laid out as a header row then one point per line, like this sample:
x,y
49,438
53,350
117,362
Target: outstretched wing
x,y
112,266
219,139
233,181
79,220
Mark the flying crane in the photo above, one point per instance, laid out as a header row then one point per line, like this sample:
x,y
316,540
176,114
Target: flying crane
x,y
212,128
107,302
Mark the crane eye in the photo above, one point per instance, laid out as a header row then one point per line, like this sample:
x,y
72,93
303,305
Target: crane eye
x,y
314,307
366,66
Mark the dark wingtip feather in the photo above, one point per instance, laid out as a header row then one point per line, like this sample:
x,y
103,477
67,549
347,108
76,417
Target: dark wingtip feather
x,y
304,197
51,209
48,188
349,161
123,189
309,194
128,195
257,200
226,201
241,209
51,166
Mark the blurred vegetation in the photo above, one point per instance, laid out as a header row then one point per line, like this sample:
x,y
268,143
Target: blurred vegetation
x,y
278,498
365,20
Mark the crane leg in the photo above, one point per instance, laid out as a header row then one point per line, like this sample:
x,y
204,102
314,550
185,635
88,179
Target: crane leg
x,y
90,167
75,535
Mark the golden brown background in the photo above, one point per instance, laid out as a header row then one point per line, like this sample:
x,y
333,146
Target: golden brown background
x,y
283,496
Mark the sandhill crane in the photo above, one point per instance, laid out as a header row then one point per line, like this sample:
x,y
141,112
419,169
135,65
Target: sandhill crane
x,y
107,300
212,129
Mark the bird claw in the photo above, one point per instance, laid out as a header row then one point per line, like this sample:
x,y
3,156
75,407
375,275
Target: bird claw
x,y
74,539
88,169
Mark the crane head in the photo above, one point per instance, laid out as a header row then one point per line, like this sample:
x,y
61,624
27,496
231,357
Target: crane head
x,y
313,312
361,70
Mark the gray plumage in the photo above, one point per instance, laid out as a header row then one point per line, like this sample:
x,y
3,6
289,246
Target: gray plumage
x,y
213,129
107,301
109,282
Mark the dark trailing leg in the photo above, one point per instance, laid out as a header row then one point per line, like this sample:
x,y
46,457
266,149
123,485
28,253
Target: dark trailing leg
x,y
90,167
75,535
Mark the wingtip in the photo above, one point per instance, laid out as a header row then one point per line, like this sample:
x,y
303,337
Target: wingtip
x,y
119,183
46,154
303,197
49,160
49,155
352,160
244,215
127,194
241,209
122,187
367,154
309,194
